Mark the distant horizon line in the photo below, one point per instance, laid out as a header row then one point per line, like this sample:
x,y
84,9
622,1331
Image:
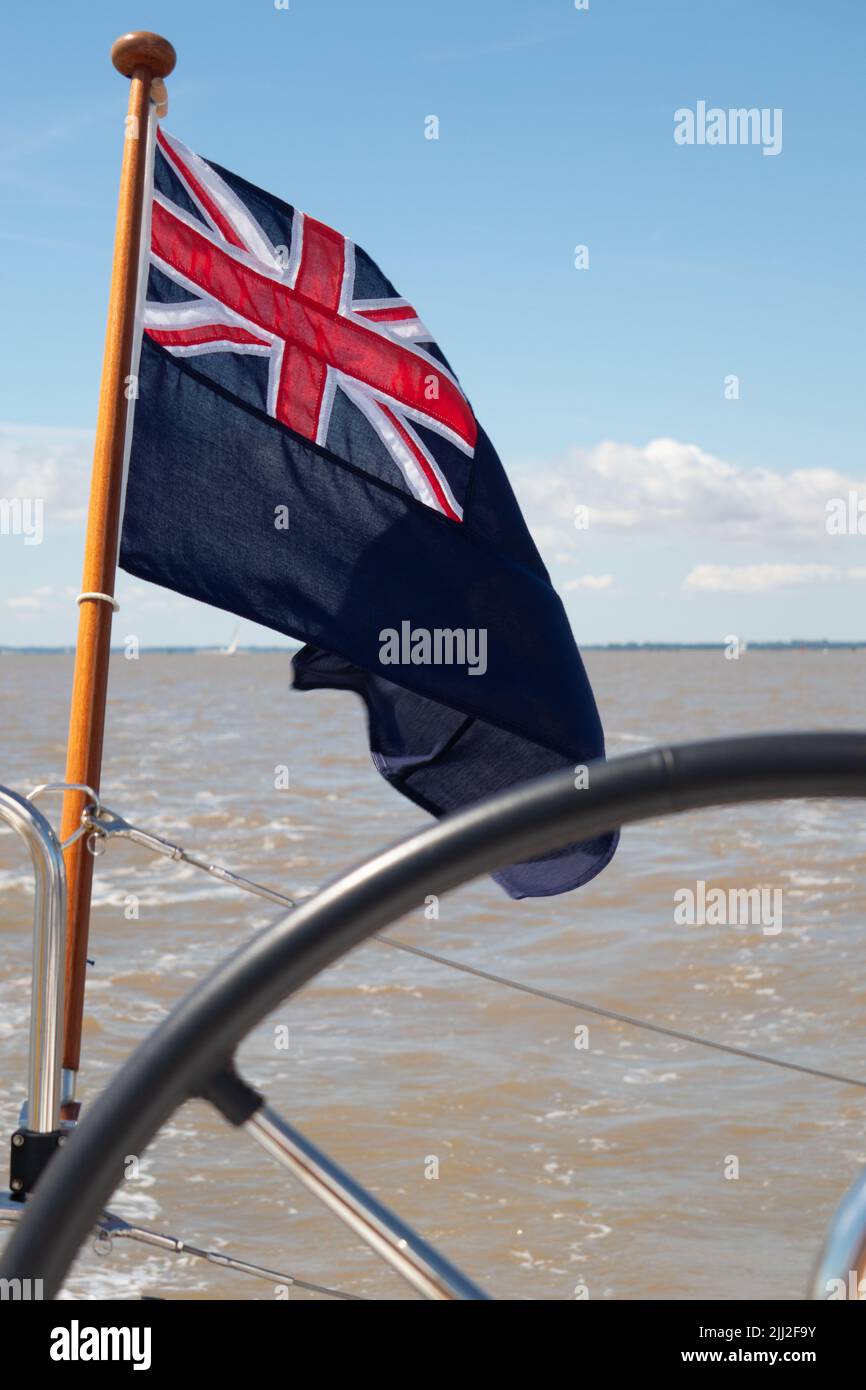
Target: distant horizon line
x,y
791,644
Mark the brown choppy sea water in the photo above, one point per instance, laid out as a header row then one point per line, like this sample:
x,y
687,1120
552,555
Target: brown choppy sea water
x,y
558,1167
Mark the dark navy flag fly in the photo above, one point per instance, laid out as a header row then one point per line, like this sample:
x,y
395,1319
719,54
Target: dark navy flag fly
x,y
303,456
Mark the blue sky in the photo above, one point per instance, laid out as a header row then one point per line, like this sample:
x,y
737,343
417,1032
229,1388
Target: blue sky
x,y
602,387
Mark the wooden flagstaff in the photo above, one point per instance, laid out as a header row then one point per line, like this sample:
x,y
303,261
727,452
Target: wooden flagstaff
x,y
145,59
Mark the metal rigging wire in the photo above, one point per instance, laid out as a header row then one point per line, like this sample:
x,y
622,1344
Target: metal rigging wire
x,y
103,824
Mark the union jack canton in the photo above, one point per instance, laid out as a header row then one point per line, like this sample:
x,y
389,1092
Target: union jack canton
x,y
291,316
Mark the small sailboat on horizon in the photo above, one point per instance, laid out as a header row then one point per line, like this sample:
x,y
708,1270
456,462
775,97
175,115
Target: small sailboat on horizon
x,y
230,650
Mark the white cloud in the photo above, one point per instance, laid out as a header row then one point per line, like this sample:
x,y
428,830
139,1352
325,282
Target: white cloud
x,y
668,488
45,596
594,583
759,579
139,600
51,464
24,601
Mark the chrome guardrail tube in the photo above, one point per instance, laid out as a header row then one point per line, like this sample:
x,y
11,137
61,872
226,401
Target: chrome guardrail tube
x,y
840,1272
49,930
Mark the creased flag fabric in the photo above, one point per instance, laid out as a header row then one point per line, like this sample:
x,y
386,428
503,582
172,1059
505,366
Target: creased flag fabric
x,y
303,456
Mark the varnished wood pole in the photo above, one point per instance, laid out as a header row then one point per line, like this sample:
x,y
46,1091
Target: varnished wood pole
x,y
142,57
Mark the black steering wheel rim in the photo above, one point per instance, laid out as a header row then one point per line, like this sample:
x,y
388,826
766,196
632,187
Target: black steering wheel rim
x,y
194,1045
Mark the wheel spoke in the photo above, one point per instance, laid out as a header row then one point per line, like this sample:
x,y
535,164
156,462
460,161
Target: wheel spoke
x,y
417,1262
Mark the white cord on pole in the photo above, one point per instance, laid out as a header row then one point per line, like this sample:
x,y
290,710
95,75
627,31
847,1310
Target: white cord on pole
x,y
104,598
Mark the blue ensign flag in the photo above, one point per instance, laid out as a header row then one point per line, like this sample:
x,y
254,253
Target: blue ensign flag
x,y
303,456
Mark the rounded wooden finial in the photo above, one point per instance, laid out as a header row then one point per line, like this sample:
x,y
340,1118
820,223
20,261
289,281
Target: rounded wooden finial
x,y
143,50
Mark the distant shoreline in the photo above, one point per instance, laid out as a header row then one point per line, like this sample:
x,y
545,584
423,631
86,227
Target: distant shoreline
x,y
805,644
